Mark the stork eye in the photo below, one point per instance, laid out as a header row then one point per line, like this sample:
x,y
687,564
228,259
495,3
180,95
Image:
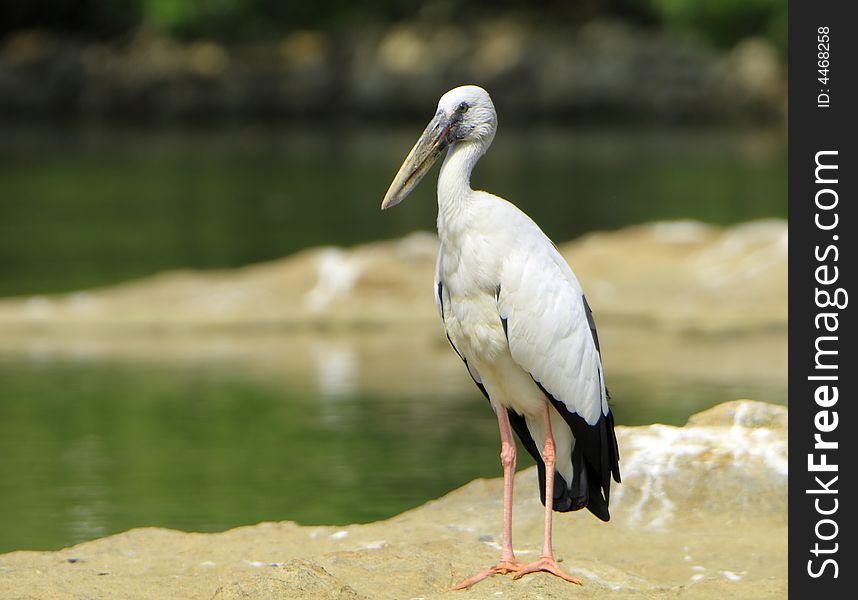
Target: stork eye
x,y
463,107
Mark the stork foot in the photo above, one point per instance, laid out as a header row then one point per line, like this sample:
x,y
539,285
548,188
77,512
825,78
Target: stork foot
x,y
549,565
502,568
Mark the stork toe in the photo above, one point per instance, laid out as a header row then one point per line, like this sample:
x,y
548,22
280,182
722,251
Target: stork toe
x,y
502,568
547,564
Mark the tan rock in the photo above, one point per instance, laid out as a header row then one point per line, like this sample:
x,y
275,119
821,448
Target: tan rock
x,y
701,514
683,276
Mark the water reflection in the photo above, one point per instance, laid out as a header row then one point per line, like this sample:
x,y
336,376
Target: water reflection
x,y
96,445
87,508
336,369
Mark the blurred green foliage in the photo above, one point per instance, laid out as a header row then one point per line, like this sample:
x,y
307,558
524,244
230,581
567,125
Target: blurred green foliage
x,y
720,22
724,22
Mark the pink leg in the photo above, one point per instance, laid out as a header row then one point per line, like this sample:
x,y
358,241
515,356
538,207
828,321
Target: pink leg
x,y
546,560
508,452
508,562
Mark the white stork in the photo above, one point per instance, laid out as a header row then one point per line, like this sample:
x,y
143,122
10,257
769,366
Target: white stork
x,y
516,315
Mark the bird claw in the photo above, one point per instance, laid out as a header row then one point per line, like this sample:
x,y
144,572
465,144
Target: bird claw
x,y
548,565
502,568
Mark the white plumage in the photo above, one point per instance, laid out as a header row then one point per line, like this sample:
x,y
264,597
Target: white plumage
x,y
516,314
547,339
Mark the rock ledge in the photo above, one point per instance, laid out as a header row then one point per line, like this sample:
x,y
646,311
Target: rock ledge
x,y
701,514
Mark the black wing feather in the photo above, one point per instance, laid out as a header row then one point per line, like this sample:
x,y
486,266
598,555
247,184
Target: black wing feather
x,y
595,458
592,323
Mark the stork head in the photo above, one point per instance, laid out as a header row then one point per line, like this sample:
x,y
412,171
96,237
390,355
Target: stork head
x,y
465,115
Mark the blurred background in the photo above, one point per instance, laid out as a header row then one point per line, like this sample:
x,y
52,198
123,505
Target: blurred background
x,y
205,321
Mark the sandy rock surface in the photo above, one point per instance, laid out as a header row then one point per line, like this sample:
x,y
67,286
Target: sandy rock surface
x,y
701,514
678,275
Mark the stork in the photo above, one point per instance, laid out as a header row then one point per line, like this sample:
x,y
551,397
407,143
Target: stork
x,y
516,315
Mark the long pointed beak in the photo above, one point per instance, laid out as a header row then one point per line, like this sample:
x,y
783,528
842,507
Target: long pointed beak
x,y
432,143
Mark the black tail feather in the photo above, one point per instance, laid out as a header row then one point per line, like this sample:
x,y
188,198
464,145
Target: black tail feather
x,y
595,458
589,488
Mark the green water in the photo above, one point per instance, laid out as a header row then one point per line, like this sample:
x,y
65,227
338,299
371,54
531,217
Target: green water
x,y
91,206
93,448
90,449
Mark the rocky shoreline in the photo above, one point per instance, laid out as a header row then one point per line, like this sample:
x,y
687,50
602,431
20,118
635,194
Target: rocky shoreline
x,y
681,276
604,68
701,513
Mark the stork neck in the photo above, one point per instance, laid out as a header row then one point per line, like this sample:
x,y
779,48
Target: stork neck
x,y
454,182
